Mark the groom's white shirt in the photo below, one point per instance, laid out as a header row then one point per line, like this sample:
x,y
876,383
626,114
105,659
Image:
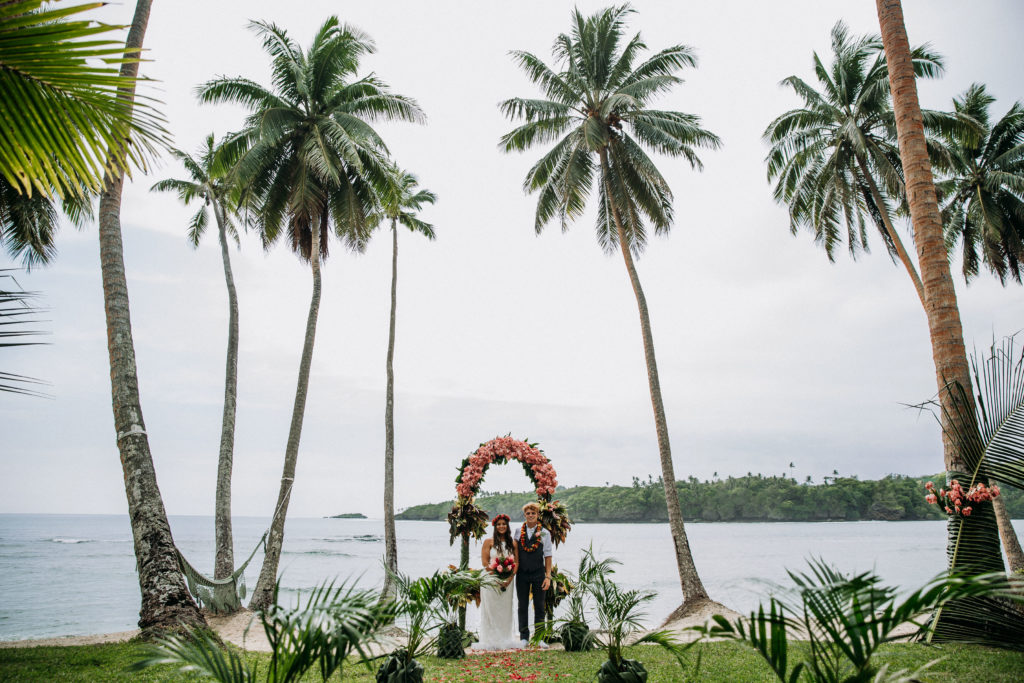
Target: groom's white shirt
x,y
545,539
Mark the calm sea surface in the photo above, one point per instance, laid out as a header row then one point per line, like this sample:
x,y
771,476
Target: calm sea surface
x,y
75,574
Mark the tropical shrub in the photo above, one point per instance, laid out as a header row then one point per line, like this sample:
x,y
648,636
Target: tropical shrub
x,y
845,619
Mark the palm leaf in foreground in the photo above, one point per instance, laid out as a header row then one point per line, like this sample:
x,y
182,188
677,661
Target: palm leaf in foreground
x,y
333,623
61,107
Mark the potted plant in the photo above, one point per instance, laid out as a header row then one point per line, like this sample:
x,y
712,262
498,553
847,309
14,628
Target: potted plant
x,y
431,603
457,587
573,630
619,617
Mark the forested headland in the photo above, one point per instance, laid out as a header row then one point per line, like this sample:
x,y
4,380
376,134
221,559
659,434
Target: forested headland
x,y
752,498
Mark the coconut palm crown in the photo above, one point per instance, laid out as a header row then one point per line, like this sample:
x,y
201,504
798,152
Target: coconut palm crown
x,y
310,154
595,111
834,161
982,187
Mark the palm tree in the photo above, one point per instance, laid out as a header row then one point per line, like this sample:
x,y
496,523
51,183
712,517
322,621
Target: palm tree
x,y
60,78
595,111
982,199
982,187
944,326
945,330
834,160
312,160
166,603
400,201
210,182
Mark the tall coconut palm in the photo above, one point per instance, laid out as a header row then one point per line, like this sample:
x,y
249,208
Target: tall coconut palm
x,y
982,187
952,372
312,160
941,308
210,182
834,160
60,77
166,603
400,202
982,199
595,111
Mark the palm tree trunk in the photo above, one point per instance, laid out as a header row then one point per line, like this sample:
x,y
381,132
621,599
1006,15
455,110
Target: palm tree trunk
x,y
263,594
693,588
901,251
166,604
941,308
1011,544
390,543
224,563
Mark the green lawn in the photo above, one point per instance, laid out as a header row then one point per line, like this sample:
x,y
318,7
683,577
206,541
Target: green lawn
x,y
726,662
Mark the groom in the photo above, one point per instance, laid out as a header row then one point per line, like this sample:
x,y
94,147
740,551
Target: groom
x,y
533,559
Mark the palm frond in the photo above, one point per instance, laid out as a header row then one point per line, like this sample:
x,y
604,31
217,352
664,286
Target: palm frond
x,y
61,84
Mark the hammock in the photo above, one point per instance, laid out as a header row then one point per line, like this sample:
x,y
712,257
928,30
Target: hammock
x,y
226,595
219,595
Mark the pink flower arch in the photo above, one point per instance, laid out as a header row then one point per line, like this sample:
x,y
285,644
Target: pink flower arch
x,y
501,450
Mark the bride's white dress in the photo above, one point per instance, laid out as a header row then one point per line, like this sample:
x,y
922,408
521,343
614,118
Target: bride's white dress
x,y
498,627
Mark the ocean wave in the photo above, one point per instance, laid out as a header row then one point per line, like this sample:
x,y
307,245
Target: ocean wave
x,y
61,539
332,553
359,538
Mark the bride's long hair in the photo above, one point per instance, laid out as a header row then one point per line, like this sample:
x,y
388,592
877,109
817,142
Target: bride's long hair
x,y
502,541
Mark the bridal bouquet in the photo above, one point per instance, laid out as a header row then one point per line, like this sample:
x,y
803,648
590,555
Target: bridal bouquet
x,y
503,567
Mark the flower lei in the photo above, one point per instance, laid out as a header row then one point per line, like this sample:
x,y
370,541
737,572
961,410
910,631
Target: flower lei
x,y
526,544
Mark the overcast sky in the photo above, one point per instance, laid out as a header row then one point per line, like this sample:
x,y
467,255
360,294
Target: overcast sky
x,y
768,353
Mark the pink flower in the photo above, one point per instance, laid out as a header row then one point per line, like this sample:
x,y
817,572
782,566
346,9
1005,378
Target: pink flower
x,y
967,512
929,486
948,511
931,498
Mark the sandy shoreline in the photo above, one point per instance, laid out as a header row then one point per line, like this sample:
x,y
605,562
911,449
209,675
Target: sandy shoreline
x,y
245,631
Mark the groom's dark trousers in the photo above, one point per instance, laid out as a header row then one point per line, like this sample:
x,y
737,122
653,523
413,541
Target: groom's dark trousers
x,y
525,581
530,576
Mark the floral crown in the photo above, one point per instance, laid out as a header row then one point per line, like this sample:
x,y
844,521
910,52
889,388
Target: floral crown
x,y
500,518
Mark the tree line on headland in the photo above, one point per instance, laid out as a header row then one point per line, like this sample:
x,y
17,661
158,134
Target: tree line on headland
x,y
751,498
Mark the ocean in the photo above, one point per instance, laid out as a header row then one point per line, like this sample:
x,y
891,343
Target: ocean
x,y
75,574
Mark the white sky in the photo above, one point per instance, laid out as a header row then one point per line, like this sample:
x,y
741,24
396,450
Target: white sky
x,y
768,354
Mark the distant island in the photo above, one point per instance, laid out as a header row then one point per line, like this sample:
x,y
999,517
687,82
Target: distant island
x,y
348,515
753,498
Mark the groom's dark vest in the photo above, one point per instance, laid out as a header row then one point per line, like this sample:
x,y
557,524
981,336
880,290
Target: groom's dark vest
x,y
531,562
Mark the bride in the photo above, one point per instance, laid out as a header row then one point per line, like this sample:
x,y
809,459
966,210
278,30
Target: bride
x,y
498,629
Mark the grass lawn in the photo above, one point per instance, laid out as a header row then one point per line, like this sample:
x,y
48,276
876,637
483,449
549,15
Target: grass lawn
x,y
725,662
